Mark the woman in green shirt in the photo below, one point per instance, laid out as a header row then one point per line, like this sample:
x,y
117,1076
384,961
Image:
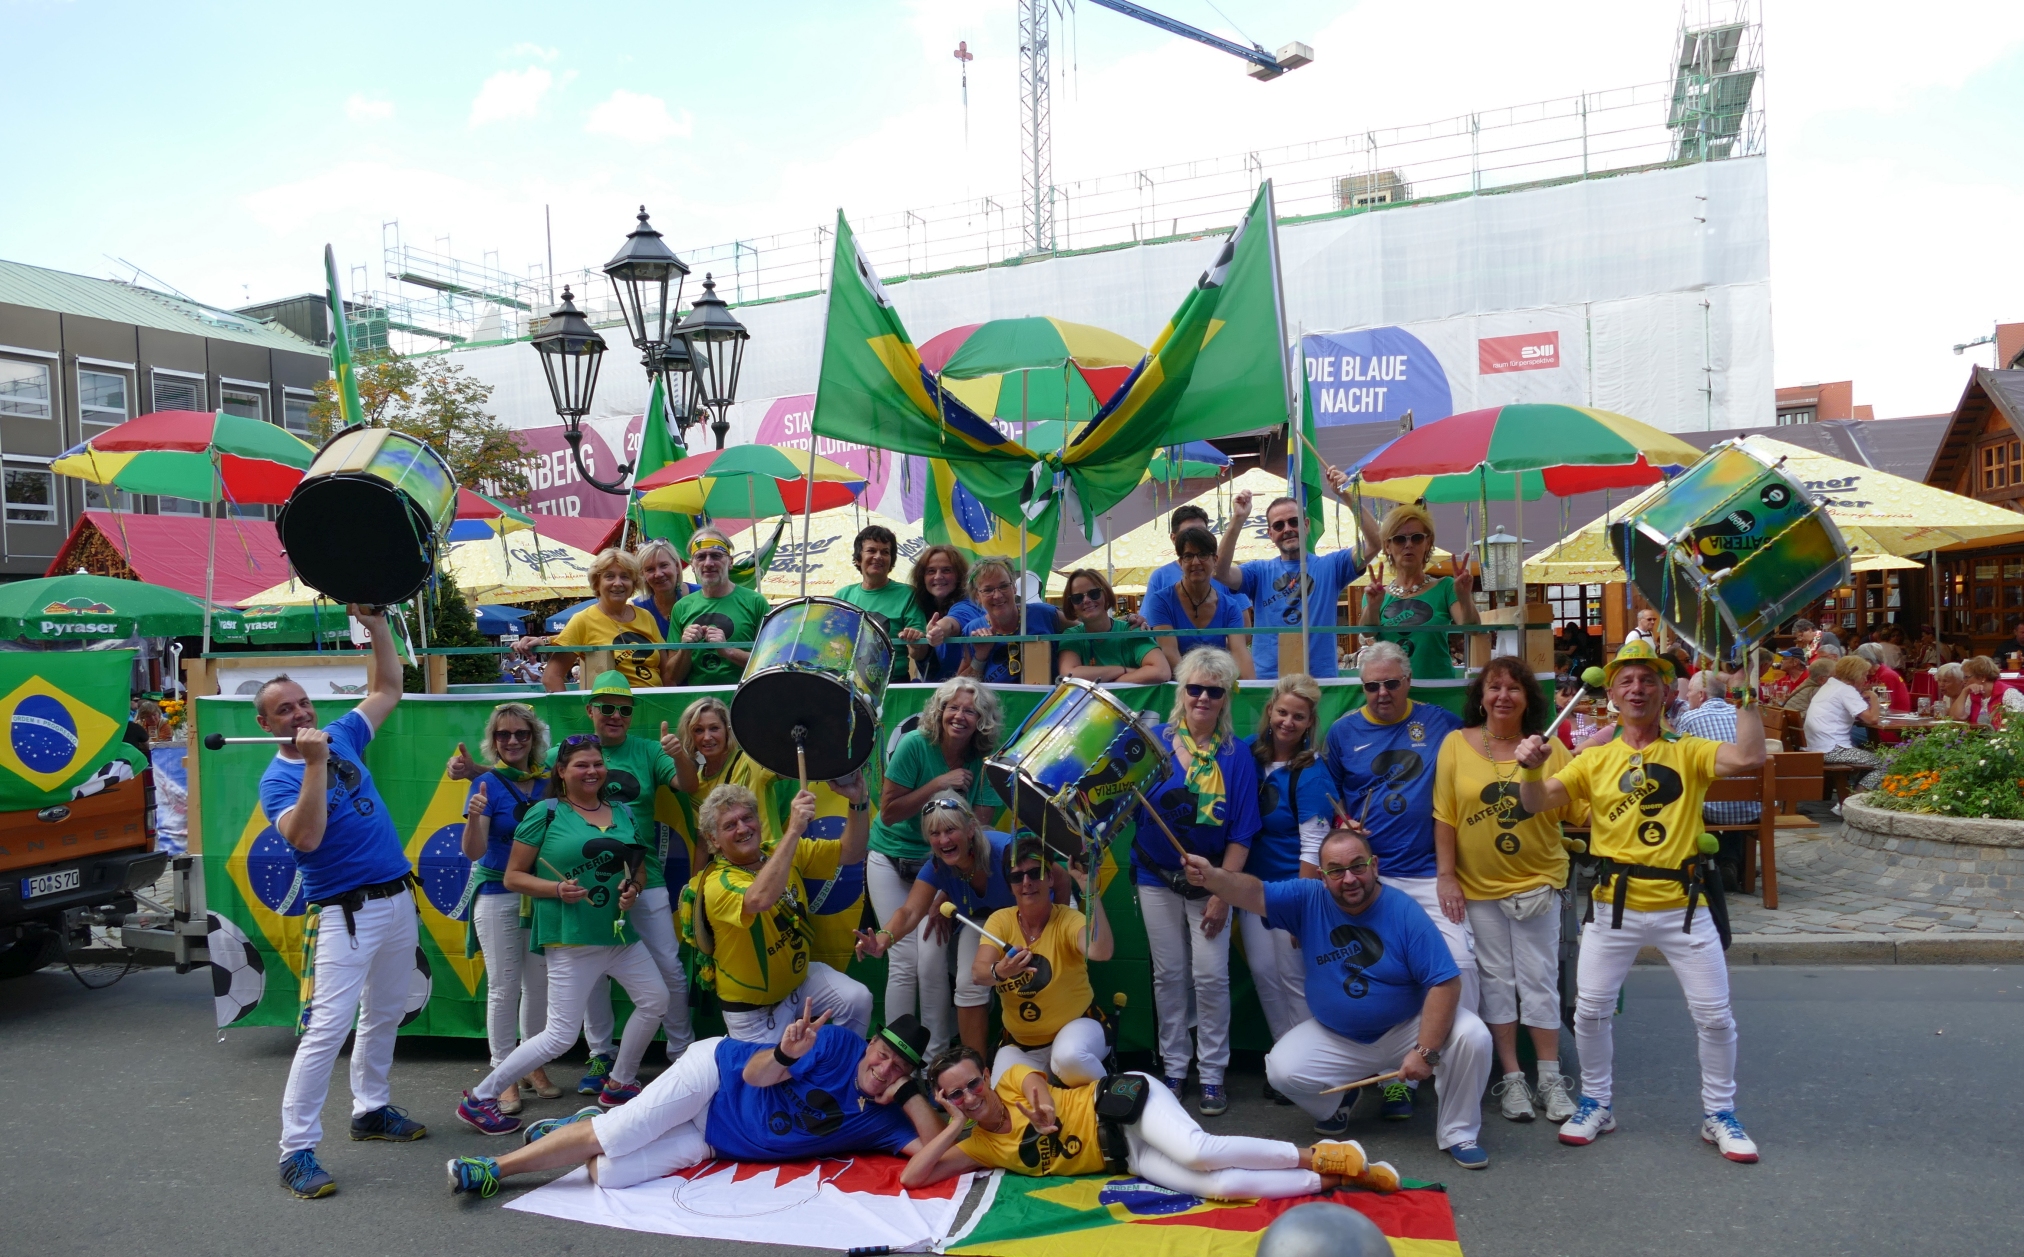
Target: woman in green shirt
x,y
959,727
1406,597
1115,653
889,602
590,872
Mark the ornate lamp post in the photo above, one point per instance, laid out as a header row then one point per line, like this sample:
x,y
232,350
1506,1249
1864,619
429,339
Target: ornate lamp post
x,y
716,343
679,383
571,351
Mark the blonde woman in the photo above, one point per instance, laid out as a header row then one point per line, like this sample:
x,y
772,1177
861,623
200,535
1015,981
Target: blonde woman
x,y
661,573
610,621
1294,813
1403,596
1844,701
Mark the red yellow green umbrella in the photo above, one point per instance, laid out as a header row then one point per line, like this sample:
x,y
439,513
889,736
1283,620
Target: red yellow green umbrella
x,y
1032,368
193,454
1569,449
748,482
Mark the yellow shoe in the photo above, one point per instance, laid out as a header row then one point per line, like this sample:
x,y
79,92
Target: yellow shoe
x,y
1378,1176
1344,1160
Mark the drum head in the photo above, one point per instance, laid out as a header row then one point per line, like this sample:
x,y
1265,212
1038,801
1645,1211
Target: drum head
x,y
840,728
355,538
1062,826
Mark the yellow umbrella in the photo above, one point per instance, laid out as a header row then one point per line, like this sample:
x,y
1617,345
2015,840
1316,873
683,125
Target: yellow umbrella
x,y
523,567
1878,513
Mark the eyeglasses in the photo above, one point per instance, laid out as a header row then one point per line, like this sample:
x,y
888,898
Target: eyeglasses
x,y
1196,558
1281,525
1002,587
1336,872
1205,691
973,1087
611,709
1035,874
1387,685
512,735
1409,538
1087,596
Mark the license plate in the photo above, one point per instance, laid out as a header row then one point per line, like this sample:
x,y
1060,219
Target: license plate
x,y
51,883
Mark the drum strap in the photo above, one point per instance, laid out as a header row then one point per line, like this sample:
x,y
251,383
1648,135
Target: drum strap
x,y
1697,876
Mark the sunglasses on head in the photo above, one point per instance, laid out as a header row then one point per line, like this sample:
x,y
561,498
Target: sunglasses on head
x,y
1205,691
1035,874
1372,687
612,709
575,740
941,805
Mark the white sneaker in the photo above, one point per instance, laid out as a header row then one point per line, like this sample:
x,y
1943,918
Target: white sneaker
x,y
1517,1097
1555,1097
1591,1121
1726,1133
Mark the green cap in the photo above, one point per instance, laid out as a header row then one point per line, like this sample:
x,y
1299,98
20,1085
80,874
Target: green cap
x,y
611,684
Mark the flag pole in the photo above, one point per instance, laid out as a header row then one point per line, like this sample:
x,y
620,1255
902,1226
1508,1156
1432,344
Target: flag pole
x,y
1294,429
807,515
211,551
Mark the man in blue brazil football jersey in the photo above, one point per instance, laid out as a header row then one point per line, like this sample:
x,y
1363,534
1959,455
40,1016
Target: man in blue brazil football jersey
x,y
1269,583
319,796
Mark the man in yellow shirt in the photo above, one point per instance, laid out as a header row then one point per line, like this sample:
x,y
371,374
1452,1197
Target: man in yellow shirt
x,y
1644,790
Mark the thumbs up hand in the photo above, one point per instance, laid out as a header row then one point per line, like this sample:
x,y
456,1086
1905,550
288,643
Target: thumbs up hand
x,y
462,767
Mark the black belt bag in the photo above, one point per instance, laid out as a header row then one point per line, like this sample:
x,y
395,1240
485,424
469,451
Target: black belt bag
x,y
907,869
352,900
1120,1102
1697,876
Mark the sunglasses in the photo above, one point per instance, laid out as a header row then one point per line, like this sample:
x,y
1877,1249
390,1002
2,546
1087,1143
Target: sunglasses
x,y
1336,872
611,709
1035,874
942,805
1087,595
575,740
1205,691
1372,687
1196,558
1636,775
973,1087
1409,538
1281,525
512,735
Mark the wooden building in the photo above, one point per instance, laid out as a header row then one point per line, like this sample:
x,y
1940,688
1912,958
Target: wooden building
x,y
1982,457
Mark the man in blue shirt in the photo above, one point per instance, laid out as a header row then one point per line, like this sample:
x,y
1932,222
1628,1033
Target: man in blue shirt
x,y
1382,988
823,1092
320,798
1269,583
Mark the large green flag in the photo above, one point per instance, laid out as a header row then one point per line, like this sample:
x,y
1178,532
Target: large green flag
x,y
63,712
340,347
657,450
953,516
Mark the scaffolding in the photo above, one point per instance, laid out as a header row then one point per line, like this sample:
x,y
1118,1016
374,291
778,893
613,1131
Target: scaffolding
x,y
1716,73
430,299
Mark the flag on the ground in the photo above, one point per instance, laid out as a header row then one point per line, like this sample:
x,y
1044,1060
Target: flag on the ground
x,y
657,449
340,347
1129,1217
63,713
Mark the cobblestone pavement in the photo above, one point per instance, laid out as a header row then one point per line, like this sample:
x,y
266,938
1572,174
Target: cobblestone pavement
x,y
1827,885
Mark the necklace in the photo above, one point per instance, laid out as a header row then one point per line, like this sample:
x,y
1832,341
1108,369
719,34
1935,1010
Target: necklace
x,y
1194,603
581,808
1398,589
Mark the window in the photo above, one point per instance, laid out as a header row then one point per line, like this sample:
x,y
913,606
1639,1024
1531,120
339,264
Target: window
x,y
179,506
243,402
176,392
24,390
96,498
295,413
101,400
30,494
1786,418
2002,465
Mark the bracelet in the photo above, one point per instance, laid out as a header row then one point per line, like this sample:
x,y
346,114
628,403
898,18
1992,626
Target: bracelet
x,y
1532,774
861,807
881,933
786,1061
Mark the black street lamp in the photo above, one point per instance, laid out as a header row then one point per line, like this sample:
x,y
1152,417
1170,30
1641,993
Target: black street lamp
x,y
673,364
571,351
717,349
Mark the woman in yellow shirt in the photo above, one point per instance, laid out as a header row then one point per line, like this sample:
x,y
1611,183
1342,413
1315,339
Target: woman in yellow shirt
x,y
1044,997
612,620
1502,869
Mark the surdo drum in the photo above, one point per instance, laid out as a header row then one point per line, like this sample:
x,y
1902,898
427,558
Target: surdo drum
x,y
1730,549
364,524
819,665
1072,767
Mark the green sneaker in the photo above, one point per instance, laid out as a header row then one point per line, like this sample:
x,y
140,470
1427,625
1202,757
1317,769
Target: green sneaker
x,y
549,1125
474,1174
594,1075
1398,1103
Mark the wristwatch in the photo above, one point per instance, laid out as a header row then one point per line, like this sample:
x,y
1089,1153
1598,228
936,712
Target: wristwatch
x,y
1432,1056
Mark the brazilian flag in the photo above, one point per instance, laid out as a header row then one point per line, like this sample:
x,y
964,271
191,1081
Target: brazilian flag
x,y
63,713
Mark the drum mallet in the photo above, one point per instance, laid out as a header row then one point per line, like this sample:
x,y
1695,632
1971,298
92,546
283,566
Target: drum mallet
x,y
800,736
1592,679
218,741
1351,1086
1161,821
949,910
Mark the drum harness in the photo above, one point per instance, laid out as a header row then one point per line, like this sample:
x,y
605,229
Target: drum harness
x,y
1696,875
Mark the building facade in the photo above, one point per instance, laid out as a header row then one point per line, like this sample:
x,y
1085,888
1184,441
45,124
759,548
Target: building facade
x,y
1982,457
79,355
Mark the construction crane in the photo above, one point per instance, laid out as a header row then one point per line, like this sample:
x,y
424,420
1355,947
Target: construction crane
x,y
1036,133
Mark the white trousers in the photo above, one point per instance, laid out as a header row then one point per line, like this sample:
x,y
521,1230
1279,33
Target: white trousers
x,y
1703,973
504,946
651,919
1457,935
1075,1057
845,998
917,966
1313,1058
1277,972
661,1129
1520,963
1169,1150
1187,964
363,977
574,975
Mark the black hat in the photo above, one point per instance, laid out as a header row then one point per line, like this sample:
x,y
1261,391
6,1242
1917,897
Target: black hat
x,y
907,1036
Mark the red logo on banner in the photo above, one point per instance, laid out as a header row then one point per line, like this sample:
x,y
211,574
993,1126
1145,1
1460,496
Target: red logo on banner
x,y
1533,351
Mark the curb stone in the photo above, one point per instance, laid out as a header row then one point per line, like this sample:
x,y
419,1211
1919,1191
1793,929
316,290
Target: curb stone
x,y
1866,949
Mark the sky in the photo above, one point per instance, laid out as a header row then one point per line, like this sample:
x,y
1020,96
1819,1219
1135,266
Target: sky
x,y
219,146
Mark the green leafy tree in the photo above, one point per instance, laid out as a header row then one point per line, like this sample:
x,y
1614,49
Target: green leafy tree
x,y
451,623
437,401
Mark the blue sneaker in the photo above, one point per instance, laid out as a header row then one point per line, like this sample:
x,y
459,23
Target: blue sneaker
x,y
595,1073
1272,1094
387,1122
474,1174
616,1093
483,1116
304,1178
1398,1103
1469,1156
1214,1101
1591,1121
549,1125
1336,1125
1178,1086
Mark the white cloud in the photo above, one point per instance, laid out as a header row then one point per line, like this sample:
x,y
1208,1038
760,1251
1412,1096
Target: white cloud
x,y
535,51
360,109
510,94
641,119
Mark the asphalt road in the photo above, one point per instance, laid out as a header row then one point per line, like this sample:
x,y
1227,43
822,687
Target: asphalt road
x,y
1886,1102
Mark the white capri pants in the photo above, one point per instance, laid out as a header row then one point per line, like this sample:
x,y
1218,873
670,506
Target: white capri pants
x,y
1520,963
917,966
1277,971
1185,963
1169,1150
846,1000
652,918
574,975
661,1129
504,946
1075,1057
1314,1058
1703,973
1460,939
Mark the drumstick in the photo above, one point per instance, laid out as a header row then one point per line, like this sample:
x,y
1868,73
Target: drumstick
x,y
949,910
1351,1086
800,735
1592,679
217,741
1162,823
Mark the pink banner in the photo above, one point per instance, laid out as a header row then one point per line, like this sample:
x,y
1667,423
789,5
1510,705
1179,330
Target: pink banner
x,y
787,425
1531,351
555,486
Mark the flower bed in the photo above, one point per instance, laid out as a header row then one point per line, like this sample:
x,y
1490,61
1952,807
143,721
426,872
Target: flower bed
x,y
1955,771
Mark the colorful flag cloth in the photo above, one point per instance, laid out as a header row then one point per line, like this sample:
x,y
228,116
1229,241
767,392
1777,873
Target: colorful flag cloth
x,y
1129,1217
836,1205
951,515
658,448
63,713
